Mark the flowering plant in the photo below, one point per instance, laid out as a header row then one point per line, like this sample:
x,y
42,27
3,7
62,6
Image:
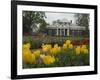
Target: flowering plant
x,y
48,55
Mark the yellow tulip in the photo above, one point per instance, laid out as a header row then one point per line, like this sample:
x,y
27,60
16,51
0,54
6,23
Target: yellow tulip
x,y
68,42
78,50
42,55
46,47
59,49
28,58
47,60
84,46
64,46
33,58
85,51
55,51
36,53
55,45
70,46
26,46
82,49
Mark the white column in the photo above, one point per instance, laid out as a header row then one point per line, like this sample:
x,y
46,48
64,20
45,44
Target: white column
x,y
60,32
67,32
57,32
64,32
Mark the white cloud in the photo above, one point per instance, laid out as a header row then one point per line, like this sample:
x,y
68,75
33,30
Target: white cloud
x,y
51,16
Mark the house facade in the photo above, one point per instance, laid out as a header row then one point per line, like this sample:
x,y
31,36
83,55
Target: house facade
x,y
65,28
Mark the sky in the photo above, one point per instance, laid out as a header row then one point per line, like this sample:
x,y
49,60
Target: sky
x,y
52,16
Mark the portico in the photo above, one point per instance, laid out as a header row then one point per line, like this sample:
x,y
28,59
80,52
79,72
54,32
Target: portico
x,y
64,29
62,32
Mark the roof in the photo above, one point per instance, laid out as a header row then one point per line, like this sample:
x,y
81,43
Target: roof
x,y
56,25
77,27
73,27
64,20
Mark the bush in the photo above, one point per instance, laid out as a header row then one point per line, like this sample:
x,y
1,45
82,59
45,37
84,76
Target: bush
x,y
35,44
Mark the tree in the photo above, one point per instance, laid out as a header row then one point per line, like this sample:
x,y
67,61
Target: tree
x,y
43,27
82,20
32,18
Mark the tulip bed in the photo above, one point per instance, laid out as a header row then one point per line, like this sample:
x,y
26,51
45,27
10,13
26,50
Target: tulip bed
x,y
55,56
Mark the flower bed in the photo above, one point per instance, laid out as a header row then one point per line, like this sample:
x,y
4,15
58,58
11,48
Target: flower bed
x,y
37,41
49,55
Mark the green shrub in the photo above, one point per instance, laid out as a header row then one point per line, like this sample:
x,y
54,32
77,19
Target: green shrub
x,y
35,44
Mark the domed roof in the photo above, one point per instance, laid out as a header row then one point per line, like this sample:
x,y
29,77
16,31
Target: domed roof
x,y
64,20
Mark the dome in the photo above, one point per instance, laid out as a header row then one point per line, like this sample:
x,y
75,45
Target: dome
x,y
64,20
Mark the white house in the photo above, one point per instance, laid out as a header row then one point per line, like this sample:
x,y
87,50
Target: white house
x,y
65,28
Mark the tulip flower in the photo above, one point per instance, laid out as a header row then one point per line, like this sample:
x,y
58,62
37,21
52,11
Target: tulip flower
x,y
78,50
47,60
68,42
36,53
70,46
